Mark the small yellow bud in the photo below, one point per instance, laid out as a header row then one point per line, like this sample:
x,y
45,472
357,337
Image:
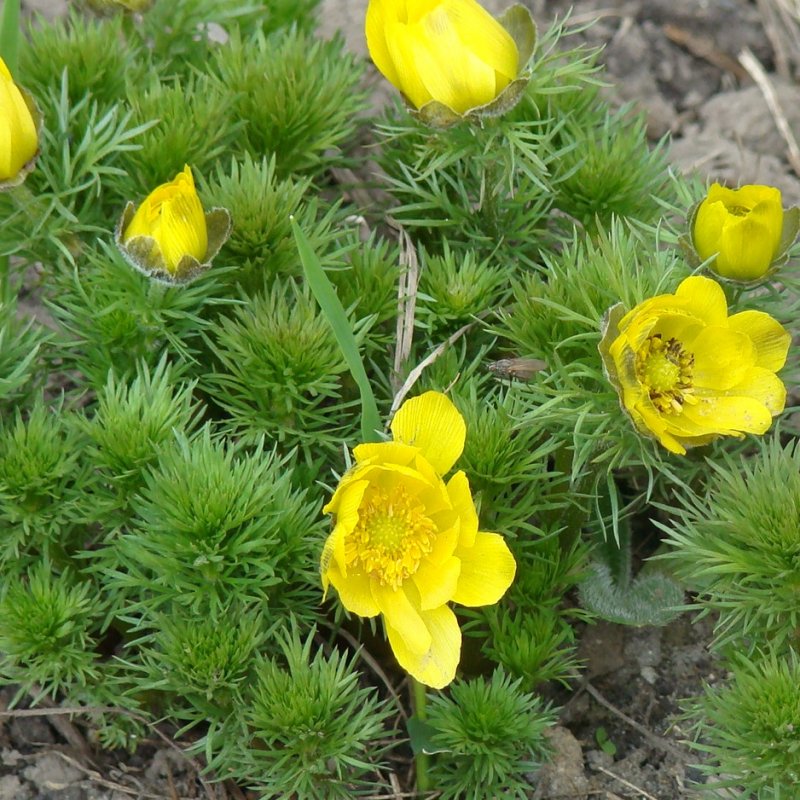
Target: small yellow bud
x,y
742,227
169,237
172,216
451,52
19,140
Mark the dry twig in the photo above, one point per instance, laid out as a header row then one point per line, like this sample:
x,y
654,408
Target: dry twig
x,y
759,75
654,739
406,301
628,784
703,47
413,376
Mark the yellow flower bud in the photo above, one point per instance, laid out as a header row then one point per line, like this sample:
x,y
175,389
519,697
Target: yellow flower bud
x,y
449,51
743,227
172,216
19,140
169,237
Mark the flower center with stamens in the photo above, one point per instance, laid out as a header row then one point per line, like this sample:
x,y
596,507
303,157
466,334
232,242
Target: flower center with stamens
x,y
665,368
391,537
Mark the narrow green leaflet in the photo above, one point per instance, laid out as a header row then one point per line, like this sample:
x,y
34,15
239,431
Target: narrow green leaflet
x,y
335,313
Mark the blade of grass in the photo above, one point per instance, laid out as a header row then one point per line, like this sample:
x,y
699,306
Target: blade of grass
x,y
333,310
9,34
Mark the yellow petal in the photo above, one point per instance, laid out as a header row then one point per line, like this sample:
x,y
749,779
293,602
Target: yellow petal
x,y
484,37
18,137
450,71
333,553
433,424
379,13
746,249
487,570
722,357
403,617
183,230
436,583
445,543
346,500
173,217
354,591
709,222
434,496
704,299
385,453
768,335
408,55
8,168
464,508
416,9
728,415
653,422
436,666
762,385
746,197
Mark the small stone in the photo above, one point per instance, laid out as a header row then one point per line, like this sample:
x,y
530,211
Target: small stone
x,y
10,758
563,775
51,772
649,675
11,788
599,758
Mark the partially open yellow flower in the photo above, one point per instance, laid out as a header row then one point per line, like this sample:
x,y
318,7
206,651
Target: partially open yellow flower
x,y
688,373
19,140
169,236
172,216
406,543
451,52
743,227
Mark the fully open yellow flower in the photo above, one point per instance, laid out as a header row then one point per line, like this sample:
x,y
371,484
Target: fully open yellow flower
x,y
19,140
450,51
406,543
688,373
743,227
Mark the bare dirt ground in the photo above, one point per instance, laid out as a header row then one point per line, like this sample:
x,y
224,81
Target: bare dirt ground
x,y
720,77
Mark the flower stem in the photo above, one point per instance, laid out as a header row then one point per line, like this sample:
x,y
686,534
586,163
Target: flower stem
x,y
418,700
5,282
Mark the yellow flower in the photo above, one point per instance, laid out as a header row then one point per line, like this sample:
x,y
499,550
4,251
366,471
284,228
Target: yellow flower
x,y
19,140
172,216
169,237
406,543
448,51
743,227
688,373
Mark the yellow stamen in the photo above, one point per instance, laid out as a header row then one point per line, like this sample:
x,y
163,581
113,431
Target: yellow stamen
x,y
392,536
665,371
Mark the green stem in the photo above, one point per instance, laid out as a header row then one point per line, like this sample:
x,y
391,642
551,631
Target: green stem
x,y
421,760
5,281
9,34
490,174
